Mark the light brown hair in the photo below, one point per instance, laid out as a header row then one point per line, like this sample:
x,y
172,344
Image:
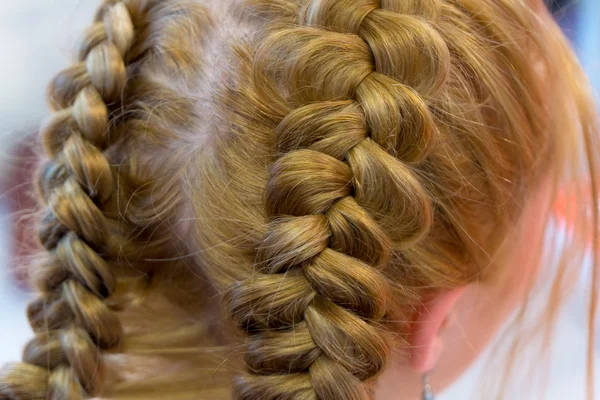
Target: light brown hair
x,y
311,173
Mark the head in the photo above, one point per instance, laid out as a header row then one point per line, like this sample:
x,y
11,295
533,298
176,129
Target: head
x,y
298,199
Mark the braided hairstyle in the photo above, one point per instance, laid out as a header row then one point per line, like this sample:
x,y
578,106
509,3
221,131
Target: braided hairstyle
x,y
321,166
341,190
355,106
93,212
71,318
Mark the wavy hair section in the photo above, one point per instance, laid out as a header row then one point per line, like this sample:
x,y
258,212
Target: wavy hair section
x,y
378,151
100,209
240,198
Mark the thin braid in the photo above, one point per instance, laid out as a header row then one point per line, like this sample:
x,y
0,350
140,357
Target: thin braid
x,y
71,319
355,121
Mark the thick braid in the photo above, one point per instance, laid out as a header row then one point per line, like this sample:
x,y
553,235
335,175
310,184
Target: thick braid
x,y
71,318
341,194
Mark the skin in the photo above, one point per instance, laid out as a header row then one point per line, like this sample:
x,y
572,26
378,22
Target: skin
x,y
453,328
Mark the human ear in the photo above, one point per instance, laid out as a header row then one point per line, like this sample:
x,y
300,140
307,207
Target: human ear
x,y
425,344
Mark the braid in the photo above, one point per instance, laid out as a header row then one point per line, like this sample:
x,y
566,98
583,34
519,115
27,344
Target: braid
x,y
322,165
354,123
71,318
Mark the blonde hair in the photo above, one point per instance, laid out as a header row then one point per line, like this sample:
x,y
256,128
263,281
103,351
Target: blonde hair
x,y
311,175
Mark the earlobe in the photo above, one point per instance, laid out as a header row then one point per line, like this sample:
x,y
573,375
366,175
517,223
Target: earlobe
x,y
424,340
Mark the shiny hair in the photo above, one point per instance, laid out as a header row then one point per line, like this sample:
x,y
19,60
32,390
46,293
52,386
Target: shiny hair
x,y
309,169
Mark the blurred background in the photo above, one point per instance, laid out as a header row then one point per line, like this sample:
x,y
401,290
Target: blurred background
x,y
36,39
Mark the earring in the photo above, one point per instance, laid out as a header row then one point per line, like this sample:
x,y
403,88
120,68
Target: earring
x,y
427,392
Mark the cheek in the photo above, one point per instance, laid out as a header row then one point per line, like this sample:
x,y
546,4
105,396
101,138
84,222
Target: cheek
x,y
523,251
538,6
485,306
